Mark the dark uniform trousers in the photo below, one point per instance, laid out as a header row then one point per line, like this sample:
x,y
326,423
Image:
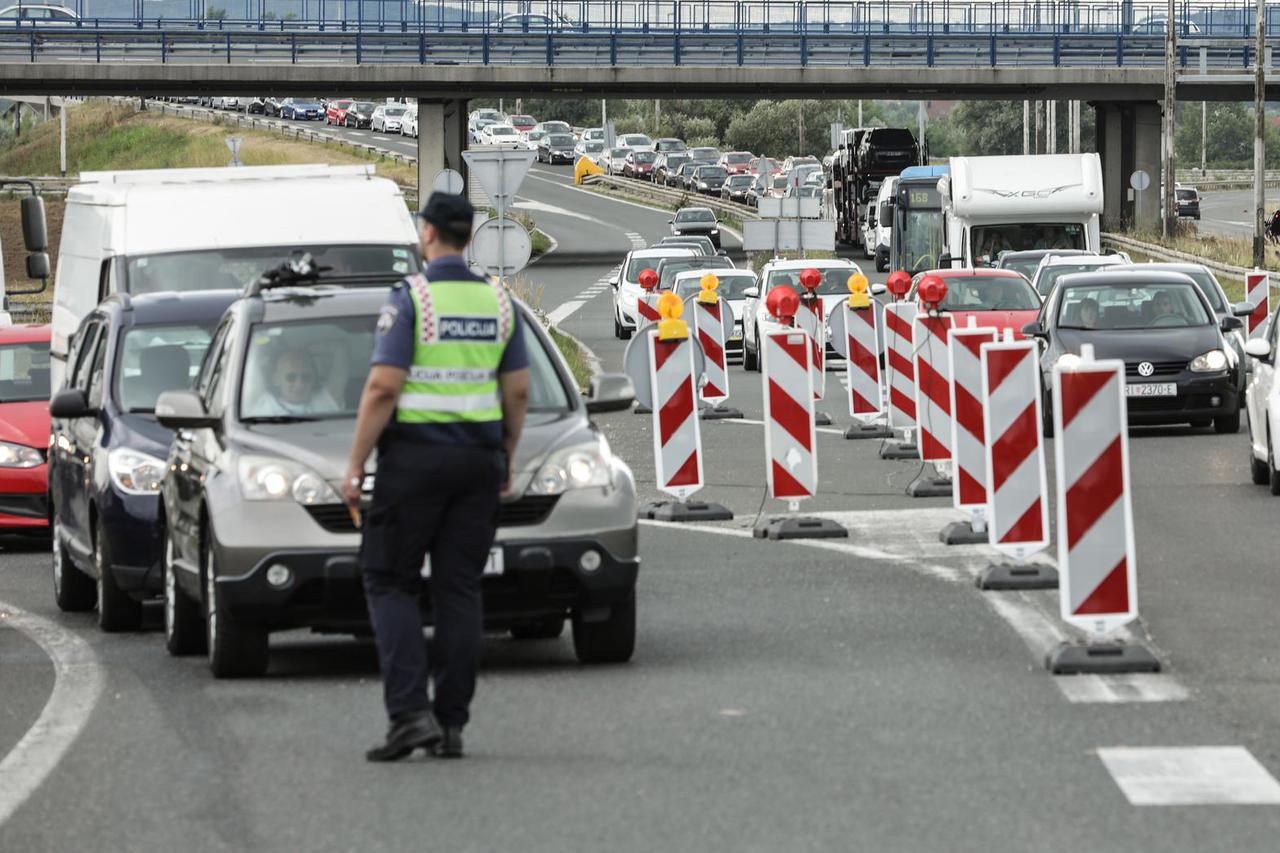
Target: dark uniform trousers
x,y
441,500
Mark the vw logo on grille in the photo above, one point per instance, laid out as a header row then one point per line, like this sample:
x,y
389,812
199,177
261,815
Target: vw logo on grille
x,y
1146,368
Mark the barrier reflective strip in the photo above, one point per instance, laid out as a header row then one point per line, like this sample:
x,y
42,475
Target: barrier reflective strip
x,y
899,372
449,402
933,386
647,307
677,440
968,444
1257,291
1018,504
709,320
863,373
790,432
1096,561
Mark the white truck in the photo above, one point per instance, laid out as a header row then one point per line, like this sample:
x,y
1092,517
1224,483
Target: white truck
x,y
217,228
1040,201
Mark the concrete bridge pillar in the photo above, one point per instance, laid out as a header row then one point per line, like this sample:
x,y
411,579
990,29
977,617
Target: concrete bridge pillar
x,y
1128,135
442,137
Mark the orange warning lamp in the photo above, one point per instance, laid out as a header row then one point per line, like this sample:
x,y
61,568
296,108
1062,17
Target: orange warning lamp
x,y
858,296
648,279
932,291
783,303
810,279
899,283
709,284
671,327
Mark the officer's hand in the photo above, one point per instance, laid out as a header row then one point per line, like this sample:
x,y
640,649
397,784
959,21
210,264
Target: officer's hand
x,y
351,486
506,483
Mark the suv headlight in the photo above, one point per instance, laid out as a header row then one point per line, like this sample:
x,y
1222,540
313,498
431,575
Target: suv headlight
x,y
579,466
263,478
1209,362
134,472
19,455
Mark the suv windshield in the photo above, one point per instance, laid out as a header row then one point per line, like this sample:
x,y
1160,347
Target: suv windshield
x,y
667,269
689,216
737,158
232,269
1051,274
644,156
556,127
24,372
733,285
560,140
1119,307
641,263
364,107
990,240
834,279
707,173
155,359
705,153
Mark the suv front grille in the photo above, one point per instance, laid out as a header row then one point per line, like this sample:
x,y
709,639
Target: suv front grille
x,y
1162,368
525,512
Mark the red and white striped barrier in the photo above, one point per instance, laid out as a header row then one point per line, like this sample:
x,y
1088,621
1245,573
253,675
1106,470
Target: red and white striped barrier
x,y
1018,501
1099,586
1257,292
899,371
677,437
790,434
968,444
709,320
861,350
810,317
933,385
647,307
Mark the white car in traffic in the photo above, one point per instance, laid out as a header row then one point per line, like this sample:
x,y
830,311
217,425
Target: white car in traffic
x,y
626,284
1262,409
502,136
409,125
388,119
635,142
832,290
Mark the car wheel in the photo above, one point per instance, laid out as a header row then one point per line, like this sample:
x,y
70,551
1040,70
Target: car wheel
x,y
235,651
539,629
73,590
1259,471
1227,424
881,265
117,610
610,641
751,359
184,632
1046,428
617,326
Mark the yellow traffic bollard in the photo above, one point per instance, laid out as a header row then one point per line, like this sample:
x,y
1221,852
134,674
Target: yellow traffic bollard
x,y
858,296
709,284
671,327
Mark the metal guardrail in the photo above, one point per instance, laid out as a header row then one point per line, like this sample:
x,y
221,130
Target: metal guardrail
x,y
1164,253
667,196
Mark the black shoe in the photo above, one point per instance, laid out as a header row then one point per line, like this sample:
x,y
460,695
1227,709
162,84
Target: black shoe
x,y
450,746
417,731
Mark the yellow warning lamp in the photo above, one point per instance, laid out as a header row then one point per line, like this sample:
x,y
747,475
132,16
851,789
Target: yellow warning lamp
x,y
709,284
858,296
671,327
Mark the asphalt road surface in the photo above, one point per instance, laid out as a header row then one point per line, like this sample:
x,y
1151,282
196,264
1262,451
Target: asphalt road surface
x,y
853,695
1230,212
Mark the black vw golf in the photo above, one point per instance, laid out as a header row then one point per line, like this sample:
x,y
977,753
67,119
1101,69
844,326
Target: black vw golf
x,y
1178,366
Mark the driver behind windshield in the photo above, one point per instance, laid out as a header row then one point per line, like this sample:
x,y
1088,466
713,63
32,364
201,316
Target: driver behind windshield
x,y
1161,304
1088,313
293,387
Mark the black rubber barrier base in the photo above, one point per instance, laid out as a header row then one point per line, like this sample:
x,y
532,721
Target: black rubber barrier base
x,y
685,511
899,450
929,487
642,409
1100,659
962,533
821,419
858,431
799,528
1007,576
720,413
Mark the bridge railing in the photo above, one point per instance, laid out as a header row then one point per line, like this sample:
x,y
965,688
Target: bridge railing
x,y
1195,18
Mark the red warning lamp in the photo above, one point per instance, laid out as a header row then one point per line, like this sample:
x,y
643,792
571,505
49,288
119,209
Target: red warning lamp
x,y
810,279
648,279
932,291
783,303
899,283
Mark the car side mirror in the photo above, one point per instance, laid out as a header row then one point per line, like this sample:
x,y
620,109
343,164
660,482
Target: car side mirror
x,y
35,233
1242,309
1035,329
610,392
182,410
70,403
1259,348
945,261
1230,324
38,265
879,289
751,293
613,282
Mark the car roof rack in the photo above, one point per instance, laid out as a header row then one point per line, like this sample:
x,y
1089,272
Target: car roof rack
x,y
301,270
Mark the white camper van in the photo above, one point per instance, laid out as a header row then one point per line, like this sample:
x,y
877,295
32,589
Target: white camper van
x,y
1041,201
204,229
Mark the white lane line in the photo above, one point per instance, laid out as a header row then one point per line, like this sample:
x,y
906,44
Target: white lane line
x,y
637,240
78,680
1190,776
542,207
564,312
751,422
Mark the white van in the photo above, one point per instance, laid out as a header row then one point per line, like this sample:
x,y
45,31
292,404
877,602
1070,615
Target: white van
x,y
207,229
1036,201
875,231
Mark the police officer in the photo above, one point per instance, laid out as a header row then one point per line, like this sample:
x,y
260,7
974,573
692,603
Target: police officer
x,y
444,403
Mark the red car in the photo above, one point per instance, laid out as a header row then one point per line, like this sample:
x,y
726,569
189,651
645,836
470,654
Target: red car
x,y
995,298
639,164
24,429
336,112
765,166
522,123
737,162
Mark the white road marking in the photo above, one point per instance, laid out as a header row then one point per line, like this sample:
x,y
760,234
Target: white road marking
x,y
1190,776
355,133
78,680
753,422
543,207
637,240
565,311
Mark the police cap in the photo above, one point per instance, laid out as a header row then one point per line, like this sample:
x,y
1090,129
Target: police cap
x,y
451,214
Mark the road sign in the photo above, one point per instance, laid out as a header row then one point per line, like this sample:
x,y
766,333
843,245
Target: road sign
x,y
790,434
1099,585
1257,292
1018,500
1139,180
781,235
448,181
500,247
900,374
500,171
790,208
932,386
234,143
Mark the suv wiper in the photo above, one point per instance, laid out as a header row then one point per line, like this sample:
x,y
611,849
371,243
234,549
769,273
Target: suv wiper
x,y
279,419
